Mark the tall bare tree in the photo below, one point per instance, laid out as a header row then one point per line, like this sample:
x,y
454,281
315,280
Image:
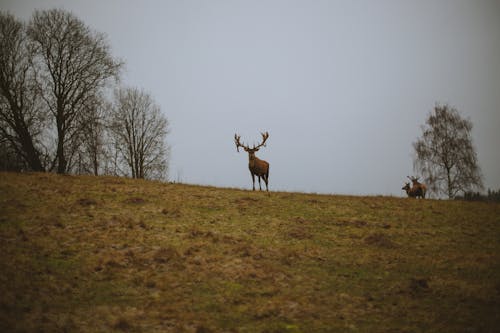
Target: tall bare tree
x,y
21,119
139,130
73,64
445,155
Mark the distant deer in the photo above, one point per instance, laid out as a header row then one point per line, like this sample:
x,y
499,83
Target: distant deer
x,y
417,190
258,167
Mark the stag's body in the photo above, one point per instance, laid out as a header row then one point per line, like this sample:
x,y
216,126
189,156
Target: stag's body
x,y
417,190
257,167
413,192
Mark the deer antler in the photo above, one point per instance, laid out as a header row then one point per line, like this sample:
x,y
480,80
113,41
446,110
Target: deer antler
x,y
413,179
238,143
264,139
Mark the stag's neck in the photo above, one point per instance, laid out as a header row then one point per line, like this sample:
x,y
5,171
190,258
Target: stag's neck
x,y
252,159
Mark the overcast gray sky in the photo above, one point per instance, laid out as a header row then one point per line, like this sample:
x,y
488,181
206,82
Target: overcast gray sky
x,y
343,87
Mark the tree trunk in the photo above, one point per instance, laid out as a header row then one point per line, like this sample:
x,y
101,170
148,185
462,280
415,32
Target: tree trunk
x,y
31,155
96,165
61,159
448,171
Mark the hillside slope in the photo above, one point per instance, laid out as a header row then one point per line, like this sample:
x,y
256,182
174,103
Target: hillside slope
x,y
103,254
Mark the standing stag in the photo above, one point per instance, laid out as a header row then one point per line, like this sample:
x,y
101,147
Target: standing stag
x,y
417,190
258,167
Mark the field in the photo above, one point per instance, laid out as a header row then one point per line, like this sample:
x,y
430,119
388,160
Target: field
x,y
105,254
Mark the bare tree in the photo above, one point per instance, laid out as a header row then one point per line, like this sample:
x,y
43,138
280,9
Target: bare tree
x,y
92,153
73,64
445,155
139,129
21,119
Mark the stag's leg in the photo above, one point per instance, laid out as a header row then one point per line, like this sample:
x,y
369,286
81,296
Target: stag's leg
x,y
267,179
253,181
260,187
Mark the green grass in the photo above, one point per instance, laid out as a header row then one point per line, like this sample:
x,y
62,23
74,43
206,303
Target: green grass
x,y
104,254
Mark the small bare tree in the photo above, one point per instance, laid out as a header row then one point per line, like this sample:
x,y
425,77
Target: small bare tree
x,y
92,153
139,130
21,119
445,155
72,64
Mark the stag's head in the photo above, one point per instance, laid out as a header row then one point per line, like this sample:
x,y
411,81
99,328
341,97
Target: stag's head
x,y
250,151
406,187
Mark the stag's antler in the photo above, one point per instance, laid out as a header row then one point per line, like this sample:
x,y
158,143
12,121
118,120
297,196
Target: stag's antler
x,y
238,143
264,139
413,179
237,137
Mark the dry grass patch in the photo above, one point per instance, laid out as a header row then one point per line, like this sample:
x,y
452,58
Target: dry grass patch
x,y
105,254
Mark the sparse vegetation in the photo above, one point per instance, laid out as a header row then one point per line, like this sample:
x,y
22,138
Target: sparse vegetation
x,y
107,254
477,196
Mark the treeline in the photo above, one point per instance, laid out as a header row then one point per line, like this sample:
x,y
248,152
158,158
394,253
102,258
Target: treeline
x,y
491,195
63,108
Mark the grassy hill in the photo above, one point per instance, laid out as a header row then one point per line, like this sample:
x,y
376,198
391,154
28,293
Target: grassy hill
x,y
104,254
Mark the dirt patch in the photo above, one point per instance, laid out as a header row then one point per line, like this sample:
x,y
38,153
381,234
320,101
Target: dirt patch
x,y
355,223
197,233
165,255
418,286
246,203
15,204
290,257
359,223
135,201
122,325
300,233
301,220
241,269
380,240
171,212
114,181
192,250
22,235
86,202
313,201
245,200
